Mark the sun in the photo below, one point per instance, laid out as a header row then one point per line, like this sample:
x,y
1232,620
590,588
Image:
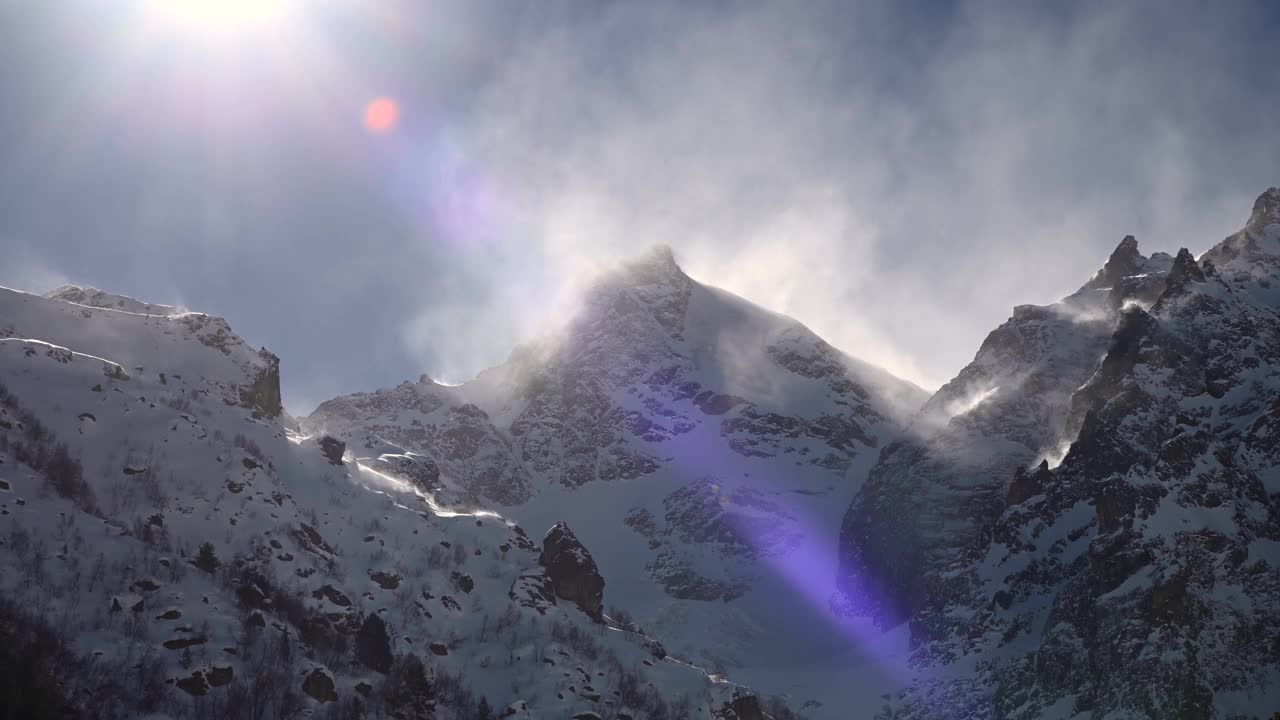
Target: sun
x,y
223,14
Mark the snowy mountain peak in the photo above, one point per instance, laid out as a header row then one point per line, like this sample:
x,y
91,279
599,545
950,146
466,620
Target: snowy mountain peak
x,y
1119,578
1185,270
659,255
1126,261
1266,211
200,352
242,569
93,297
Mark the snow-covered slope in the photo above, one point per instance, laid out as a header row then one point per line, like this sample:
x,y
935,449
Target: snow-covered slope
x,y
703,447
189,353
1085,523
203,559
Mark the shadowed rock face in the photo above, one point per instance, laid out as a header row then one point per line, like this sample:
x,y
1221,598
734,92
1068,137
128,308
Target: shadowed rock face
x,y
333,448
1138,577
742,707
938,487
320,686
1125,261
263,396
572,570
649,356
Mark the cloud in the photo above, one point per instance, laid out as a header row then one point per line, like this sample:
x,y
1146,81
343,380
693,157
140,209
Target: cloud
x,y
30,275
898,179
896,175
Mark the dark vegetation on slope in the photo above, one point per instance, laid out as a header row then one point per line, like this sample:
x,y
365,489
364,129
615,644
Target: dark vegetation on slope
x,y
39,449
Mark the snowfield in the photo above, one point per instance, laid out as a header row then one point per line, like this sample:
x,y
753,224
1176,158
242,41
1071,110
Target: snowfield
x,y
232,562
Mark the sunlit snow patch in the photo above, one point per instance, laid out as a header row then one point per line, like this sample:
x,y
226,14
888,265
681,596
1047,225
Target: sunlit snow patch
x,y
396,484
969,403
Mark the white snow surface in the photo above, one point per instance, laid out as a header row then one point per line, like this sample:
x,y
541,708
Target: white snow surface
x,y
171,464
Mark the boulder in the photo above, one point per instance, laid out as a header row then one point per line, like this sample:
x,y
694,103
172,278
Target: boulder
x,y
572,571
320,686
194,684
333,448
220,675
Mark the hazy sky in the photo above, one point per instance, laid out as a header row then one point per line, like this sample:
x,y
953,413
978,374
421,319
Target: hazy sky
x,y
896,175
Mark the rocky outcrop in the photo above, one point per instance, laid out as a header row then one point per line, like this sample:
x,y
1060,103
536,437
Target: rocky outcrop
x,y
333,449
263,394
1138,576
1125,261
434,437
320,686
1008,410
572,571
417,470
193,684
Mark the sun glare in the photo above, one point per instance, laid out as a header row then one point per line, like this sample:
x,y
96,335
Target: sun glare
x,y
223,14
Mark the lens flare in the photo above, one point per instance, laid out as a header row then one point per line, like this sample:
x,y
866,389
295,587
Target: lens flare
x,y
381,115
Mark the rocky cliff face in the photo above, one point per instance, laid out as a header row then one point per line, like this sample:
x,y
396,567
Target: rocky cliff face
x,y
650,357
698,444
263,393
936,488
572,571
724,411
1138,577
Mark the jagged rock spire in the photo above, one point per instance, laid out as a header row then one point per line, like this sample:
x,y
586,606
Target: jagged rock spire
x,y
1125,260
1266,211
1185,270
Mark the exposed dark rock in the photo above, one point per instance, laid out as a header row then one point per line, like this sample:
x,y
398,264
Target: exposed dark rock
x,y
145,585
373,644
333,448
193,684
419,470
320,686
220,675
308,536
1266,212
534,590
438,648
180,643
463,583
1027,485
716,404
1185,270
742,707
333,595
263,396
572,571
1125,260
386,581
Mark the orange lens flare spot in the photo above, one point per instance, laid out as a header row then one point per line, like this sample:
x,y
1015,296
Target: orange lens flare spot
x,y
381,115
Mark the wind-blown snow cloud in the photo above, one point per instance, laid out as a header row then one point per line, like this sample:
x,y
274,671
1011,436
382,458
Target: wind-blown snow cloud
x,y
895,175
